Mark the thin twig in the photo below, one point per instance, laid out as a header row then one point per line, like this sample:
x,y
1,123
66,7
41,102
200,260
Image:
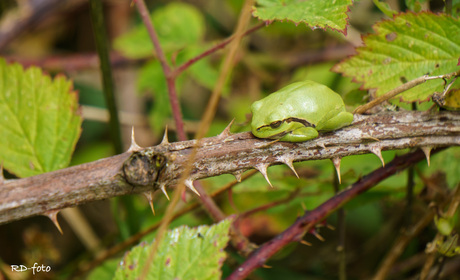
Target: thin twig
x,y
170,81
400,244
441,261
212,50
392,93
100,36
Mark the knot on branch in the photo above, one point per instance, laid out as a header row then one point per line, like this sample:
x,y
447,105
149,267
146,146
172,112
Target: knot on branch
x,y
143,168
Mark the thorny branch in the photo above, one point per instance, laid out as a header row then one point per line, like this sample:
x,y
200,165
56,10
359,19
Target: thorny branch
x,y
223,154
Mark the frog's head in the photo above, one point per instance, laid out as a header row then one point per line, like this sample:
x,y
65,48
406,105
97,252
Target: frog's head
x,y
273,124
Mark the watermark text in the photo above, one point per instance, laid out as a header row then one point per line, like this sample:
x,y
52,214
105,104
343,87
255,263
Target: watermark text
x,y
34,268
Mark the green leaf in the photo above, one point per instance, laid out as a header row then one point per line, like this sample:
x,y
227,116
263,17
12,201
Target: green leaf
x,y
174,32
449,162
404,48
314,13
152,80
104,271
415,5
184,253
40,120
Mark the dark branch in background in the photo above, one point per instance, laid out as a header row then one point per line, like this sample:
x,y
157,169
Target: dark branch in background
x,y
75,62
223,154
100,36
11,29
83,61
305,223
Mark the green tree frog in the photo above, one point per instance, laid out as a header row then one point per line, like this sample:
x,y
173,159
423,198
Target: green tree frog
x,y
298,111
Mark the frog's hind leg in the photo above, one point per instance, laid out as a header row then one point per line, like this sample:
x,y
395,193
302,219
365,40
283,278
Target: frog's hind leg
x,y
342,119
300,134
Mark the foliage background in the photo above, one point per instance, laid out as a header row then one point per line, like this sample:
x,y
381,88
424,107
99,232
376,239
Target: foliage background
x,y
271,57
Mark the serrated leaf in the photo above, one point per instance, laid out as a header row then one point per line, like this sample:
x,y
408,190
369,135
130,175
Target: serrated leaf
x,y
314,13
40,120
184,253
174,32
404,48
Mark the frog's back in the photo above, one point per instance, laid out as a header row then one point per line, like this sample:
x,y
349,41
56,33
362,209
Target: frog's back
x,y
307,99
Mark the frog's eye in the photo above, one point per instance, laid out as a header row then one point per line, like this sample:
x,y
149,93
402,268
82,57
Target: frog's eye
x,y
275,124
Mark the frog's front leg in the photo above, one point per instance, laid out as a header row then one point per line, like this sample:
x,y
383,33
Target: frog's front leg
x,y
300,134
340,120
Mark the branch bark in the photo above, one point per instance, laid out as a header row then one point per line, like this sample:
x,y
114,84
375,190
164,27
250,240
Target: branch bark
x,y
226,153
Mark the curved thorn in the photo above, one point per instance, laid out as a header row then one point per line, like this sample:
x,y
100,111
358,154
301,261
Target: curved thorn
x,y
427,151
336,161
378,152
237,176
134,147
322,145
266,266
305,243
226,132
163,189
165,140
262,168
189,184
149,196
289,164
53,217
303,206
331,227
317,235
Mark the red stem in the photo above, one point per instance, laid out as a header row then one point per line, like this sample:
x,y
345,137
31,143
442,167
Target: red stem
x,y
212,50
170,79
